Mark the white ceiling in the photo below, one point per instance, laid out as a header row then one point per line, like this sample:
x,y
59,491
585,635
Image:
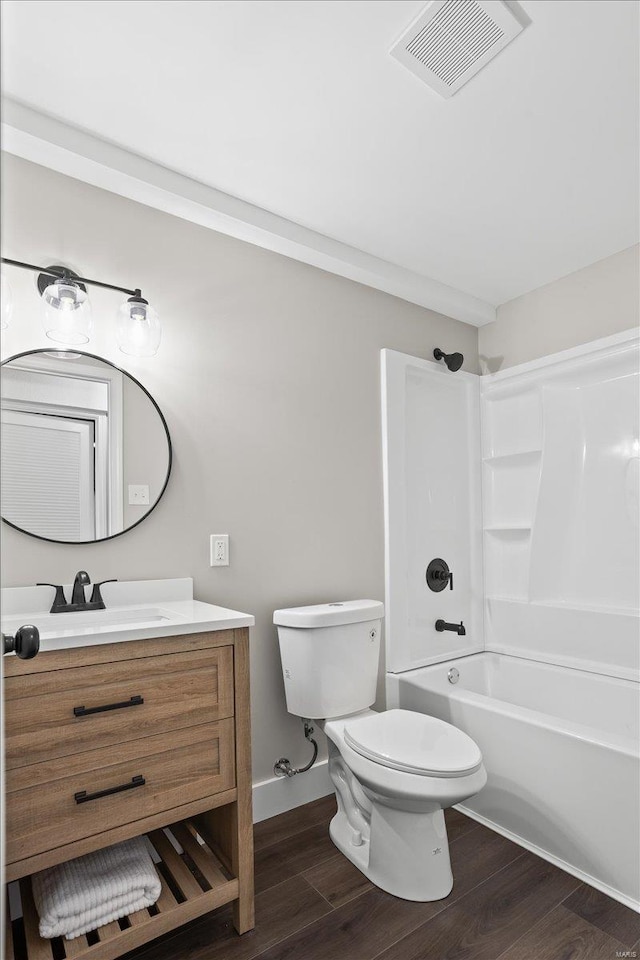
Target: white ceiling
x,y
528,173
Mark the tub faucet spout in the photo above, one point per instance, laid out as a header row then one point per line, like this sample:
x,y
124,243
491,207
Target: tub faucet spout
x,y
458,628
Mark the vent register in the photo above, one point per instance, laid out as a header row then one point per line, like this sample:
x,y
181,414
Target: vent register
x,y
452,40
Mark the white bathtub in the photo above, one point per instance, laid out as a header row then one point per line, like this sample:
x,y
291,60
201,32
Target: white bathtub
x,y
561,749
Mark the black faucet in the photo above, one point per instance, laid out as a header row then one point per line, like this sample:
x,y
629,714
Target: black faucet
x,y
78,598
81,581
458,628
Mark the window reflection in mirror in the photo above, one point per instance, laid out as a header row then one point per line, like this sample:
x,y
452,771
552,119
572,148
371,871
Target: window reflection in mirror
x,y
86,452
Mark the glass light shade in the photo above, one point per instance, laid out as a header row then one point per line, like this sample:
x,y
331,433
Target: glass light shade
x,y
67,316
138,329
6,303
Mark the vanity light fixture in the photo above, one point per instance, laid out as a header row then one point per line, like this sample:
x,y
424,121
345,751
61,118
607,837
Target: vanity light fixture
x,y
138,329
67,316
67,312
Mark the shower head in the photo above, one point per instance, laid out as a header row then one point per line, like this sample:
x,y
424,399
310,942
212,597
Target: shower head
x,y
453,360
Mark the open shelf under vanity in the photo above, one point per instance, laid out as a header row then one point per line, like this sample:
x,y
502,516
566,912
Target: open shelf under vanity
x,y
194,880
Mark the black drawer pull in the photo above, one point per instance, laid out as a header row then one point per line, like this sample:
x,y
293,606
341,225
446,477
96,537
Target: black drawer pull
x,y
83,797
85,711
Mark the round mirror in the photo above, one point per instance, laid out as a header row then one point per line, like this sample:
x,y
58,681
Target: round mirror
x,y
86,453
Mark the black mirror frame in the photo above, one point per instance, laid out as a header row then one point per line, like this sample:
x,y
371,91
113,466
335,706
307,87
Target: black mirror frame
x,y
82,543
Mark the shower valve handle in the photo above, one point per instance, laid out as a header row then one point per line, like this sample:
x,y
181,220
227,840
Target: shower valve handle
x,y
441,575
450,579
438,575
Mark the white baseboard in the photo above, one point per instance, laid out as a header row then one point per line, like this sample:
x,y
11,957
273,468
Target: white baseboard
x,y
279,794
556,861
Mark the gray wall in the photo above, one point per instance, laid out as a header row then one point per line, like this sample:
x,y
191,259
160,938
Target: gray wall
x,y
268,375
600,300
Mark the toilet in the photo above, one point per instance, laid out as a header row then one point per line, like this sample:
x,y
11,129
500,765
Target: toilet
x,y
394,772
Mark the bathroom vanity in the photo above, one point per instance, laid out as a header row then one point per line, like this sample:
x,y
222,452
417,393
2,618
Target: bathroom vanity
x,y
135,721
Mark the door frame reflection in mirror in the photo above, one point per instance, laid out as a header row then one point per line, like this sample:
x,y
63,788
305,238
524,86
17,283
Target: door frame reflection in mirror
x,y
110,428
89,393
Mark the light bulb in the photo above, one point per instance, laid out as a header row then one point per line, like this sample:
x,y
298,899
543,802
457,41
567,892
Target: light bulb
x,y
6,303
67,316
138,329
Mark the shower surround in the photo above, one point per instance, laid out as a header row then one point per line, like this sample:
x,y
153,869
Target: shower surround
x,y
527,483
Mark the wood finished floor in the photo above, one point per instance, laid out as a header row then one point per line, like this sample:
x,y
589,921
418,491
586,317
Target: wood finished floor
x,y
312,904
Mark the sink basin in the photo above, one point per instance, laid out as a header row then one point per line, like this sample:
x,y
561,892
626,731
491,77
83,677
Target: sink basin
x,y
135,610
54,624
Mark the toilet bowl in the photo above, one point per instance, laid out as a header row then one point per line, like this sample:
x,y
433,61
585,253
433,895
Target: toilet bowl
x,y
394,772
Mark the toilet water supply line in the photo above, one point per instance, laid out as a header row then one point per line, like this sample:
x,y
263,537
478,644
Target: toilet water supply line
x,y
282,767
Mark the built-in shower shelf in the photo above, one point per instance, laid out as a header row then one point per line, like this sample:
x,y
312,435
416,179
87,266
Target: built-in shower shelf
x,y
587,607
514,458
194,882
522,528
502,599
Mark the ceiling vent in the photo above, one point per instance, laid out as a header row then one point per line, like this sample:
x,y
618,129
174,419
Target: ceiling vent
x,y
452,40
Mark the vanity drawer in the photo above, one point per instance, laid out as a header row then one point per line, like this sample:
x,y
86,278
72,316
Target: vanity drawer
x,y
64,712
48,809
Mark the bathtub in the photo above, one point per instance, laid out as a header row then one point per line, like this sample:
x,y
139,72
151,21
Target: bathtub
x,y
560,748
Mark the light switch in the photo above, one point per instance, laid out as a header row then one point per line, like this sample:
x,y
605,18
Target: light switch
x,y
138,494
219,550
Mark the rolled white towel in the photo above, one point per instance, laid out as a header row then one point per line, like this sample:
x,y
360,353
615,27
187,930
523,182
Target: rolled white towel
x,y
93,890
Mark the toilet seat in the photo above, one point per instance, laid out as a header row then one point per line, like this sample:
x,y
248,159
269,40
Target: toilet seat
x,y
413,743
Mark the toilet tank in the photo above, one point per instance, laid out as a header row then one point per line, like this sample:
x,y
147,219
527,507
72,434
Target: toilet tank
x,y
329,656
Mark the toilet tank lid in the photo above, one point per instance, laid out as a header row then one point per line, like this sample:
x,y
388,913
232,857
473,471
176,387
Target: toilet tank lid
x,y
330,614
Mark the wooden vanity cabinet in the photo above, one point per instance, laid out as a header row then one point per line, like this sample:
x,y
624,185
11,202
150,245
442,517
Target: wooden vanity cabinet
x,y
112,741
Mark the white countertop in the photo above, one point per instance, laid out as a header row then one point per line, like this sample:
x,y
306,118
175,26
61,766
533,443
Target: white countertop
x,y
135,610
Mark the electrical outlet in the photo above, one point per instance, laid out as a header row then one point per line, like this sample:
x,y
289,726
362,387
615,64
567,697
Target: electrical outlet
x,y
138,494
219,550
